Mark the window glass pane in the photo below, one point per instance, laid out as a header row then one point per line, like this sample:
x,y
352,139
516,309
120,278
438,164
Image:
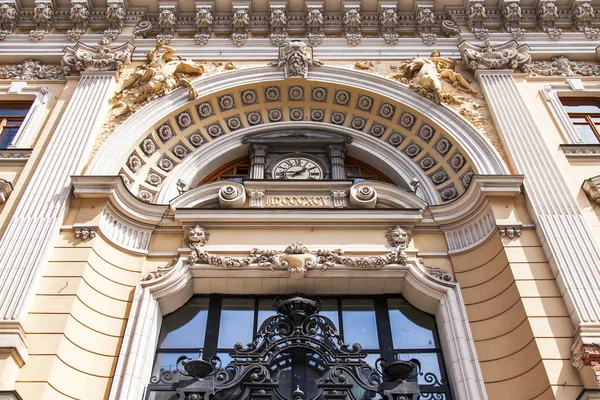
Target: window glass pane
x,y
8,111
185,328
329,309
430,366
359,322
265,310
583,108
8,134
586,133
411,328
165,370
237,322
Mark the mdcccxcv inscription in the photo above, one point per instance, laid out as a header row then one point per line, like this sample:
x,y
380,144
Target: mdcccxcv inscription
x,y
297,201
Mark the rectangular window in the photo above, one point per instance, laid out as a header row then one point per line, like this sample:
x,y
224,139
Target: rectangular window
x,y
385,326
585,116
12,115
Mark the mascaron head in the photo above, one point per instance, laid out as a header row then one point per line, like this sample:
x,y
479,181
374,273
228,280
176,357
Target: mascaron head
x,y
197,235
397,236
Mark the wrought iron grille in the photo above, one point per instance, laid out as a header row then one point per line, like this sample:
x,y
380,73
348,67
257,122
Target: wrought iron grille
x,y
300,354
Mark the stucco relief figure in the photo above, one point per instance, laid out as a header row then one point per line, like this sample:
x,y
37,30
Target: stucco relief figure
x,y
425,80
296,58
389,25
583,16
425,25
42,15
115,16
476,16
314,25
8,20
79,17
445,68
352,23
204,24
240,23
547,19
278,22
512,16
159,75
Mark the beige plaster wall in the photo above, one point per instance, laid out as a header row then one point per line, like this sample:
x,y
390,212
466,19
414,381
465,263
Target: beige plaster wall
x,y
574,172
521,327
76,323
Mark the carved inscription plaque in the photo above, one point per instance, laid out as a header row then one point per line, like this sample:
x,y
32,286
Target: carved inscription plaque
x,y
298,201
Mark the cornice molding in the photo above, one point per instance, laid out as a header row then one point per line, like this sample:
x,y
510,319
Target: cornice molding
x,y
15,49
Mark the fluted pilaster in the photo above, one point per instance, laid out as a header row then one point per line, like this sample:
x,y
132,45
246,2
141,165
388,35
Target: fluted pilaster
x,y
34,227
573,252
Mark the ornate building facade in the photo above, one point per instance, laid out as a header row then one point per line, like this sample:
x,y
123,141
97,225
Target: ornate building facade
x,y
299,199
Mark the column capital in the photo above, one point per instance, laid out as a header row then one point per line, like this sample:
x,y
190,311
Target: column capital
x,y
81,57
509,55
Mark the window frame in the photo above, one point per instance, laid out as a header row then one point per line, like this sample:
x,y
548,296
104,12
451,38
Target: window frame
x,y
385,337
583,101
38,96
553,93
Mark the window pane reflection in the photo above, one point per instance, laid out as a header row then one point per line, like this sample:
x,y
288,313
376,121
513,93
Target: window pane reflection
x,y
265,310
237,322
165,364
329,309
411,328
360,326
186,327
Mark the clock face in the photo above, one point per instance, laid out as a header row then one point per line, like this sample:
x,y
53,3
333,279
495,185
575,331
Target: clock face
x,y
297,168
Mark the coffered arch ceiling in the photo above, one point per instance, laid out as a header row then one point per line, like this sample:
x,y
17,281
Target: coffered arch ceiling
x,y
170,137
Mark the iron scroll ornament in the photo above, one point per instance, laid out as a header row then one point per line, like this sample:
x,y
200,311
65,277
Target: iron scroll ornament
x,y
298,326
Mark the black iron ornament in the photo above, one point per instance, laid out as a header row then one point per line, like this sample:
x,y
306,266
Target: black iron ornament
x,y
297,327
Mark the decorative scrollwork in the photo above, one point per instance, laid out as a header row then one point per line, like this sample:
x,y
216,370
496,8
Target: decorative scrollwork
x,y
297,259
296,326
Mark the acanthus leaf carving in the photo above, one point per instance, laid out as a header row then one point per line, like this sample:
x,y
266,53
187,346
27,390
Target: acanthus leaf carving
x,y
476,15
425,20
389,24
42,15
509,55
437,272
314,25
547,15
204,24
79,15
278,22
8,19
142,29
241,23
562,66
115,16
31,69
352,23
296,58
81,57
297,259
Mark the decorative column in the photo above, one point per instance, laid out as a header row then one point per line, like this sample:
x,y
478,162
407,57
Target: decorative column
x,y
573,253
258,157
34,226
337,153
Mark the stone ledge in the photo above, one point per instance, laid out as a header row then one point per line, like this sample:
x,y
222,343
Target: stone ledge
x,y
581,152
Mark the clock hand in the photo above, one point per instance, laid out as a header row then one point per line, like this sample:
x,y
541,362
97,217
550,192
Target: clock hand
x,y
300,171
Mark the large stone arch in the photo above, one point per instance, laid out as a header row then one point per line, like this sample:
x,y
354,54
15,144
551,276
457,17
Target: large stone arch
x,y
171,138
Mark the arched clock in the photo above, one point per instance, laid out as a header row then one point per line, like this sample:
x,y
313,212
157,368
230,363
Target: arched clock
x,y
297,167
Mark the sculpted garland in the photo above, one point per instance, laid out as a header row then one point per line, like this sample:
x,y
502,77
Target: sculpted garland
x,y
297,259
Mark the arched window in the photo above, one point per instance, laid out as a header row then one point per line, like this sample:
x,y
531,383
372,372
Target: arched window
x,y
240,169
385,326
